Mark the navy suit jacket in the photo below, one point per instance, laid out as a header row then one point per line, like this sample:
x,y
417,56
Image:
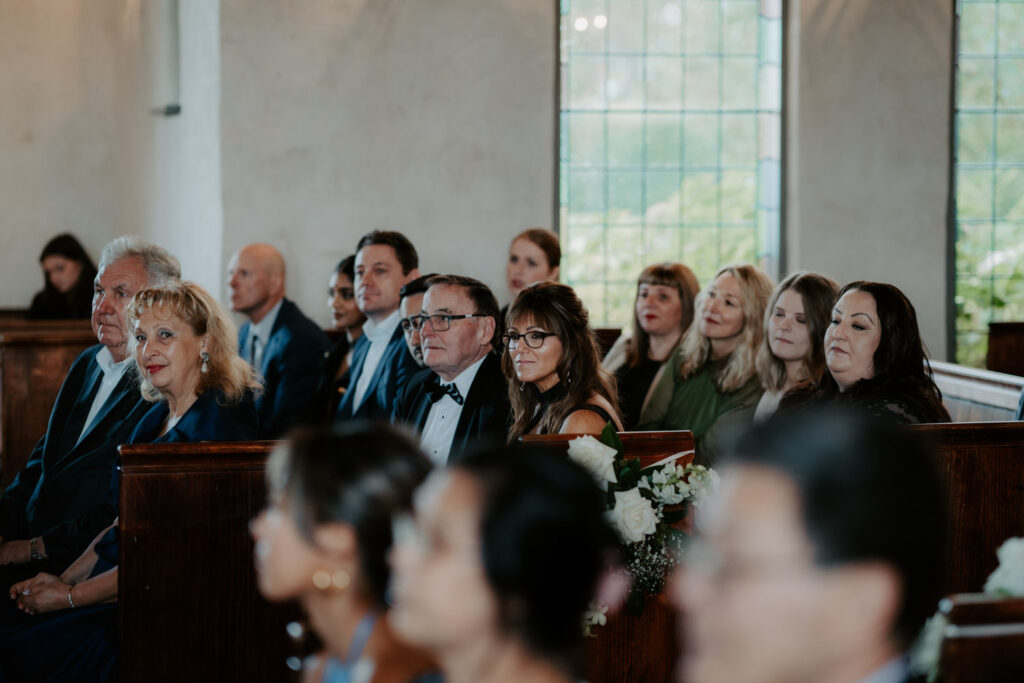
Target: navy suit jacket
x,y
63,492
210,418
486,412
290,368
396,368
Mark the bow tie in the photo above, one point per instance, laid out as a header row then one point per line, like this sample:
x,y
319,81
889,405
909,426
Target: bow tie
x,y
440,390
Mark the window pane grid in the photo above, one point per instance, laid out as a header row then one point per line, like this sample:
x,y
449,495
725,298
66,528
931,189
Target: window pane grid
x,y
670,149
989,171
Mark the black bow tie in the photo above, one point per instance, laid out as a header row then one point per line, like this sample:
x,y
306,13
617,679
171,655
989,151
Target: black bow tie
x,y
440,390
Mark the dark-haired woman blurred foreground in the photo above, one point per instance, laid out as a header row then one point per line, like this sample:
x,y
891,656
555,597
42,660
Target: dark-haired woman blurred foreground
x,y
504,556
323,541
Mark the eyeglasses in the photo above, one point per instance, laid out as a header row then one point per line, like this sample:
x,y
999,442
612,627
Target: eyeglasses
x,y
347,293
534,340
441,322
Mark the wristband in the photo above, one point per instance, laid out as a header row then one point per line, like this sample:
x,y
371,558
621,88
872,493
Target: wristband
x,y
70,601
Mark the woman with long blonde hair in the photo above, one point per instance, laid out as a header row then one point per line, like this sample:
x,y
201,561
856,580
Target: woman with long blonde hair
x,y
711,380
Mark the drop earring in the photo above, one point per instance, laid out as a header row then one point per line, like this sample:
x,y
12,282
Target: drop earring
x,y
205,367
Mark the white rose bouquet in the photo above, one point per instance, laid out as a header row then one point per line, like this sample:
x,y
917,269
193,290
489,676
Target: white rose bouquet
x,y
645,505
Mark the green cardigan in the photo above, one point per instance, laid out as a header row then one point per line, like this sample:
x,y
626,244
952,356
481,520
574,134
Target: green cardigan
x,y
695,403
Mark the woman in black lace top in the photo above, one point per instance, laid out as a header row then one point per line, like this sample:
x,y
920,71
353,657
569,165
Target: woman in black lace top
x,y
553,366
876,359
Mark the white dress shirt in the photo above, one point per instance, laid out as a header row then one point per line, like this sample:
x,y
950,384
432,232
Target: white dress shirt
x,y
443,418
262,330
893,671
379,336
112,374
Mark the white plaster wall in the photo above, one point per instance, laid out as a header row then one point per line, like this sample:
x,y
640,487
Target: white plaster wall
x,y
433,118
58,134
868,149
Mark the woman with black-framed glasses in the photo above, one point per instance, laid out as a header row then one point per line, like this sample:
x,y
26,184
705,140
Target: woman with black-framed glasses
x,y
553,364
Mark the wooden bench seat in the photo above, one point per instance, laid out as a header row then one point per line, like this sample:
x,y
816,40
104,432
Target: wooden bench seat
x,y
34,359
973,395
984,640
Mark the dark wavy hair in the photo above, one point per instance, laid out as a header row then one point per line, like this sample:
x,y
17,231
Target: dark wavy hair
x,y
544,543
902,371
556,308
405,252
360,474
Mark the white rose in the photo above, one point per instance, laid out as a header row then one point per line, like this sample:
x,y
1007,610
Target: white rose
x,y
633,515
1009,575
597,458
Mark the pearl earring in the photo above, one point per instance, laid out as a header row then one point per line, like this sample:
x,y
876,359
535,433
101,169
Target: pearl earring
x,y
205,367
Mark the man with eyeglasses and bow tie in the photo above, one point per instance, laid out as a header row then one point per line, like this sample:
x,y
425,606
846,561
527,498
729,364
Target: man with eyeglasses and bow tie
x,y
461,401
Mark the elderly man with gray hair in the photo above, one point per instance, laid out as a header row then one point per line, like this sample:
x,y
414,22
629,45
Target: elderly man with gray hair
x,y
62,499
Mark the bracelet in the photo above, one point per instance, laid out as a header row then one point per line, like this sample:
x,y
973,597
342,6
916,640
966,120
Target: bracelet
x,y
33,549
70,601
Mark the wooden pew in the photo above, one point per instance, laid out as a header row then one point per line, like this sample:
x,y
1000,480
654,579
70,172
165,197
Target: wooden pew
x,y
189,607
630,647
1006,347
983,464
984,640
973,395
34,359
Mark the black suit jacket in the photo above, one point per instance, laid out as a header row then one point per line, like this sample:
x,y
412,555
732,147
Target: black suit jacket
x,y
63,492
290,367
486,413
394,372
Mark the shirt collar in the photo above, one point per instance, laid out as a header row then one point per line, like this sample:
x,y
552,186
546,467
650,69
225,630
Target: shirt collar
x,y
105,360
384,330
265,326
464,380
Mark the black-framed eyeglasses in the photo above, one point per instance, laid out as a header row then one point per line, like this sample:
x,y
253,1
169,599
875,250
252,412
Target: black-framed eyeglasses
x,y
534,340
440,322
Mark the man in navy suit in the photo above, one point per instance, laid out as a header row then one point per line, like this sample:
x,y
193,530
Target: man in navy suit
x,y
279,341
61,500
462,400
381,363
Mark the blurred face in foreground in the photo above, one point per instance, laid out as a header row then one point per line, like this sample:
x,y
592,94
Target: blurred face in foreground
x,y
756,608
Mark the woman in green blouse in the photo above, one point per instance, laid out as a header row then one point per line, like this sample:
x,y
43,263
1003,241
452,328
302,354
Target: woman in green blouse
x,y
711,380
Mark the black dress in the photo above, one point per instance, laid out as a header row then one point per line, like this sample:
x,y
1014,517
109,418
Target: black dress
x,y
557,393
634,383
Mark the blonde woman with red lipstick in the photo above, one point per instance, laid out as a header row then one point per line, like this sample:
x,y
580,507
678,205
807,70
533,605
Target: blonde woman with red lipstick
x,y
711,379
792,354
663,311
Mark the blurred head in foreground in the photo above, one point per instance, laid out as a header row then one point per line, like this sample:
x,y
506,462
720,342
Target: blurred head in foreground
x,y
819,557
503,557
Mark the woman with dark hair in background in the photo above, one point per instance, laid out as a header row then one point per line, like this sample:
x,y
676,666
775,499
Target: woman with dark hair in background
x,y
553,366
663,311
68,273
504,556
792,354
323,540
711,380
875,358
345,317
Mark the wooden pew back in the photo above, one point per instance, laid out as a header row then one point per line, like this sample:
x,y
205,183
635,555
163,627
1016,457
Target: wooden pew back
x,y
34,359
630,647
984,640
973,395
983,465
189,605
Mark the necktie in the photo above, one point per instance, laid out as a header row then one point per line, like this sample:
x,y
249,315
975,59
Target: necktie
x,y
449,389
252,349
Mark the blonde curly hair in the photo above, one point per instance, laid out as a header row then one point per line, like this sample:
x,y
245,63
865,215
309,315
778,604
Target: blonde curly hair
x,y
226,372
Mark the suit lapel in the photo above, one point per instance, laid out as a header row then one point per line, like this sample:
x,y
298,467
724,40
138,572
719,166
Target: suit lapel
x,y
126,392
382,367
359,351
80,409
